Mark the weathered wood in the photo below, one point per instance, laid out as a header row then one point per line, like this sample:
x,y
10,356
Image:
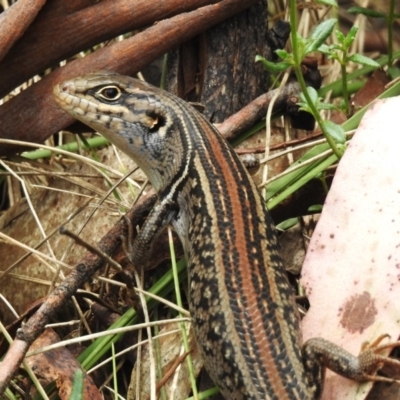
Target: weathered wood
x,y
15,20
217,68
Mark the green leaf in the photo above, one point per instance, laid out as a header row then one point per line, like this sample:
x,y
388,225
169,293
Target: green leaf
x,y
315,100
303,103
288,223
334,130
77,385
272,67
394,72
325,49
301,44
283,54
360,59
304,107
350,37
340,36
318,36
326,106
313,94
366,11
331,3
353,31
259,58
315,208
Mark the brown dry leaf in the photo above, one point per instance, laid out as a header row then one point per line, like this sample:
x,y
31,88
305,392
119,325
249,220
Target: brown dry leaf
x,y
352,269
60,366
170,347
371,90
31,279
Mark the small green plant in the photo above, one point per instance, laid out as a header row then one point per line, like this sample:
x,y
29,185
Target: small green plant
x,y
309,100
314,105
389,18
301,47
315,161
339,52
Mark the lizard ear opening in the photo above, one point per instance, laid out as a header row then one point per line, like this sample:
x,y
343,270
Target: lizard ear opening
x,y
157,123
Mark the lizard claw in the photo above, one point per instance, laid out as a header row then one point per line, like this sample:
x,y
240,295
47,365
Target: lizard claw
x,y
371,361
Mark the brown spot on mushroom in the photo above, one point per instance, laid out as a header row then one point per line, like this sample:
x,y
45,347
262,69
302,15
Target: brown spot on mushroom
x,y
358,313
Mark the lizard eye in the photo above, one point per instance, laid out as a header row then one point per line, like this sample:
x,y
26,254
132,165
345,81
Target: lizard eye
x,y
110,93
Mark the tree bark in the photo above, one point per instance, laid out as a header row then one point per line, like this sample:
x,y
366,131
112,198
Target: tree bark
x,y
217,68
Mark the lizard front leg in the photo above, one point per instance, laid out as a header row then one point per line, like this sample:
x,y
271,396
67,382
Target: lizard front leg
x,y
140,249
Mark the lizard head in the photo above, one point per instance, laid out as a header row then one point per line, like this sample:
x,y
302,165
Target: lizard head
x,y
141,120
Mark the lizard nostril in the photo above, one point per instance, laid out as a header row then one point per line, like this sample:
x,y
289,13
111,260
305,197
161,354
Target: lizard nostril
x,y
64,87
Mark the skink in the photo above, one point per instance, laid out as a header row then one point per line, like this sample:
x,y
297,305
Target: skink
x,y
243,308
